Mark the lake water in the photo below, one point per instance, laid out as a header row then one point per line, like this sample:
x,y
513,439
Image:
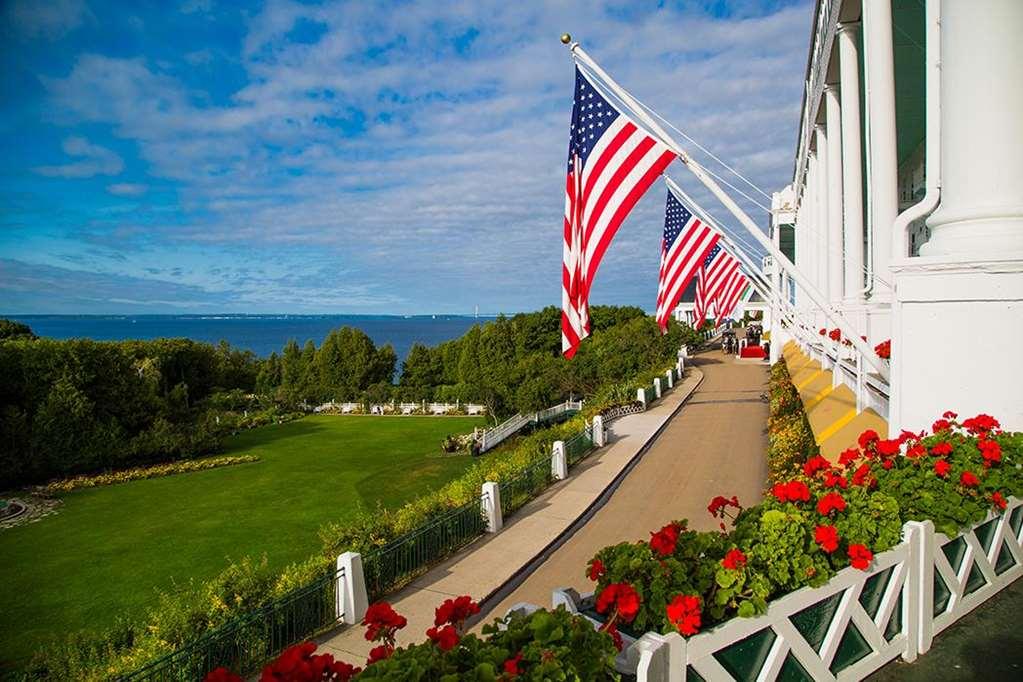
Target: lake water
x,y
262,334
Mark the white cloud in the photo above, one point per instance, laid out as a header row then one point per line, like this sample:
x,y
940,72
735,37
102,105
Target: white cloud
x,y
96,160
50,19
127,189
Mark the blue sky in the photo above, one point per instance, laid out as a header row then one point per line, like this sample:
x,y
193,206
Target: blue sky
x,y
362,157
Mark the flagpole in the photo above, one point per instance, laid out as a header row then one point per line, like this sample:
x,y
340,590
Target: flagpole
x,y
839,320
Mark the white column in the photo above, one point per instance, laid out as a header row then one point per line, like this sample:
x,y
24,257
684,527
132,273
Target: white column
x,y
852,163
657,387
599,437
879,56
490,499
833,111
353,600
559,462
958,309
823,211
981,209
641,397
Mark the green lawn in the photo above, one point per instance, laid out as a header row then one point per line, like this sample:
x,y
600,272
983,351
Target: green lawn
x,y
109,548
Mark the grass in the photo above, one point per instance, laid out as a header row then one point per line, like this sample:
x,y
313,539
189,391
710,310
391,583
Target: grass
x,y
109,549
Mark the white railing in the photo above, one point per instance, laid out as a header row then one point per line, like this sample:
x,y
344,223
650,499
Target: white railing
x,y
870,389
893,607
492,437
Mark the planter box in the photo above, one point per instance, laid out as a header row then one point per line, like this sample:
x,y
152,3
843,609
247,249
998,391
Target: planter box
x,y
849,627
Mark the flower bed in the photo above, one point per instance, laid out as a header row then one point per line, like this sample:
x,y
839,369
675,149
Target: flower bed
x,y
536,644
137,473
836,529
790,440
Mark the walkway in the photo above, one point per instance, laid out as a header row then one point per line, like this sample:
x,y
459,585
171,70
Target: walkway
x,y
715,446
482,568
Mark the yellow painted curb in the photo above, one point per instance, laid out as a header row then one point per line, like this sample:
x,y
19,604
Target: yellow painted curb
x,y
837,426
814,401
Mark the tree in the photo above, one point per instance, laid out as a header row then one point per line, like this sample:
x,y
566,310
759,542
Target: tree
x,y
11,329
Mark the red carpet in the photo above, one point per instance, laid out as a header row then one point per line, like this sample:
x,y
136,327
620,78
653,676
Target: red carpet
x,y
753,352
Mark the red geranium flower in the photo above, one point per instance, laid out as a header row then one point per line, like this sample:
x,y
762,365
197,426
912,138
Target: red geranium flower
x,y
942,467
916,451
888,448
835,334
511,666
663,542
884,350
734,559
823,331
826,537
622,597
907,436
860,557
815,464
969,479
949,414
982,423
991,451
941,425
684,613
835,480
887,464
455,611
382,622
829,503
998,500
596,570
867,437
221,675
847,458
941,449
719,503
298,664
446,638
862,475
379,653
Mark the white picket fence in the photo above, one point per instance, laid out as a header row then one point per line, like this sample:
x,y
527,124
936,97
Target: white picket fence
x,y
492,437
849,627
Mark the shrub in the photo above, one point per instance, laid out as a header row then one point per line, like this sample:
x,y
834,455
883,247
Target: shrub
x,y
790,440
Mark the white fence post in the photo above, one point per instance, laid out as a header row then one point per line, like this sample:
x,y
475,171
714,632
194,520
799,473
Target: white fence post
x,y
351,589
641,397
671,378
559,463
657,387
925,577
912,614
490,500
598,431
660,658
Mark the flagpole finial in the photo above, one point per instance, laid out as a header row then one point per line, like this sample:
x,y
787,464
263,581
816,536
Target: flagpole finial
x,y
566,38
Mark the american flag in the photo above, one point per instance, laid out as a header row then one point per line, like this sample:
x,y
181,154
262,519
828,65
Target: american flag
x,y
715,272
731,293
684,246
611,163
